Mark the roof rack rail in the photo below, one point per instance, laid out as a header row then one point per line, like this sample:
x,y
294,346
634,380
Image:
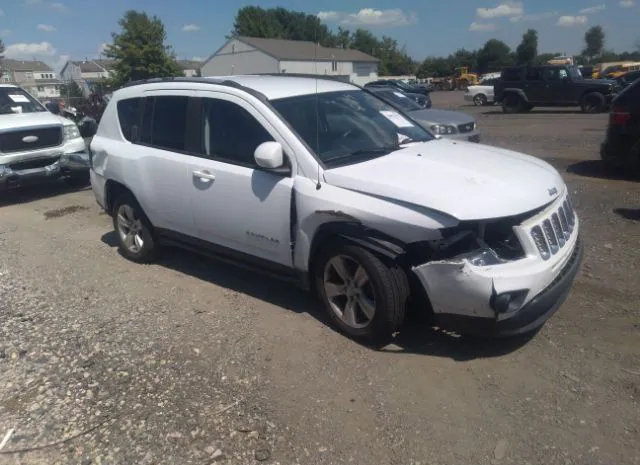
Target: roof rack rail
x,y
196,80
304,75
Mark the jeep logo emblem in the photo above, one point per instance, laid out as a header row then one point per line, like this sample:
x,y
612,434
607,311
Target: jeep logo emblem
x,y
30,139
553,191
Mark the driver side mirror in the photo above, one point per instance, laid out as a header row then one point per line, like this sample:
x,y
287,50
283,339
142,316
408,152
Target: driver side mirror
x,y
269,155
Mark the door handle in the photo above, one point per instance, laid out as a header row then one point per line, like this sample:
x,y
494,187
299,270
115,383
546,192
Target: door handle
x,y
204,175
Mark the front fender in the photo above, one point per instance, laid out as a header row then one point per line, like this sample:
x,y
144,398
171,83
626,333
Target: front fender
x,y
515,90
394,222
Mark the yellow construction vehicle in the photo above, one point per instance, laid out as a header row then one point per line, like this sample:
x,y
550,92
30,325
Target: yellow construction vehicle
x,y
464,78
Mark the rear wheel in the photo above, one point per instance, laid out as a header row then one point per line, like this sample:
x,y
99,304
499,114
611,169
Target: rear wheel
x,y
480,100
593,103
513,103
135,235
364,297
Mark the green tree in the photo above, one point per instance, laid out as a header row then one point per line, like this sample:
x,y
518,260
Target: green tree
x,y
527,51
493,56
594,41
71,89
139,50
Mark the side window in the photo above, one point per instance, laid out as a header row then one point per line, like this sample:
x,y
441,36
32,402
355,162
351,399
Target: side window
x,y
230,132
555,74
169,122
128,117
511,74
534,74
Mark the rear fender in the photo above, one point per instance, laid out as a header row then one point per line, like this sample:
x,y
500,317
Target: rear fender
x,y
379,224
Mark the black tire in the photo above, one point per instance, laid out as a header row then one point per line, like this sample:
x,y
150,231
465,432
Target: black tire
x,y
593,103
389,286
527,107
148,251
513,103
480,100
78,180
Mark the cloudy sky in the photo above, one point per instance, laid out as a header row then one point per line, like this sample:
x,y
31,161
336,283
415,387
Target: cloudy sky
x,y
56,30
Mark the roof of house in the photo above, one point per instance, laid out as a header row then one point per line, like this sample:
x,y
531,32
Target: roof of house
x,y
94,66
189,64
25,65
304,50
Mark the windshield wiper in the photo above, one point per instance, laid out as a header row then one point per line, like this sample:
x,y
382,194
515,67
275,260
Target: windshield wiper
x,y
411,141
375,151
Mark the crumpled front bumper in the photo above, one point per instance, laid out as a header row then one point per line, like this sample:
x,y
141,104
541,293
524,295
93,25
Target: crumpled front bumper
x,y
504,299
63,166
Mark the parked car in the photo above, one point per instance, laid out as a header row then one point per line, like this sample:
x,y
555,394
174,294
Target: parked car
x,y
621,147
36,145
523,87
450,124
322,183
423,100
627,79
399,85
482,93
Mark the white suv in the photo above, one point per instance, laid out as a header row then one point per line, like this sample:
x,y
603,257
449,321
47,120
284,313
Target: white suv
x,y
318,181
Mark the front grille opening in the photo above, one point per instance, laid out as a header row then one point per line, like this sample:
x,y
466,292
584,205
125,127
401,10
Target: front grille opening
x,y
36,138
541,243
468,127
33,163
500,236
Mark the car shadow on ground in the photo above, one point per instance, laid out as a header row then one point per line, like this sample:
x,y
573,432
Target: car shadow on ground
x,y
498,111
597,169
36,192
632,214
417,337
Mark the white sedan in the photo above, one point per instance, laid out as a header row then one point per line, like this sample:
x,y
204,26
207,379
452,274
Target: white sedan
x,y
482,93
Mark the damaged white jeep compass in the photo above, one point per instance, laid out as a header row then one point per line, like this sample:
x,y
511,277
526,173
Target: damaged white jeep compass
x,y
320,182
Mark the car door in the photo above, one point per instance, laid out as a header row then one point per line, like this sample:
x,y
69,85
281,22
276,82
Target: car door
x,y
561,91
536,88
236,205
159,178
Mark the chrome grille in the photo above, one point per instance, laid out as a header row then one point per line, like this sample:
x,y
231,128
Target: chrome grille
x,y
467,127
554,231
30,139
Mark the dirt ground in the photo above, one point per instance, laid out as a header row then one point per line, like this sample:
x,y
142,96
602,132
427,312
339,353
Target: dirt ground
x,y
189,361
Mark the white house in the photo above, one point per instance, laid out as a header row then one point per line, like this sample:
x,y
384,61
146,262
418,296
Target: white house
x,y
86,73
34,76
252,55
190,68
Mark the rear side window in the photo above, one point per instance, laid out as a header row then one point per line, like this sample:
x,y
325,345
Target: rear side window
x,y
169,122
128,115
629,96
512,74
534,74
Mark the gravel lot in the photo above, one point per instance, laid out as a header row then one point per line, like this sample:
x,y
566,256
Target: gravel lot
x,y
192,362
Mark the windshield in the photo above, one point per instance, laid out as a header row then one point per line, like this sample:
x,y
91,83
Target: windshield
x,y
574,72
399,99
404,86
348,126
16,100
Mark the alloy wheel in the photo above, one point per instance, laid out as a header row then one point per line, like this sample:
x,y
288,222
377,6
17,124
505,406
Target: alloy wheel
x,y
130,229
349,291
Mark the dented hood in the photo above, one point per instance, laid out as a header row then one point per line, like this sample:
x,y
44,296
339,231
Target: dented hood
x,y
465,180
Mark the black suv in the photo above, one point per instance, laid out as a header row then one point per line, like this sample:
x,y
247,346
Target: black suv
x,y
521,88
621,147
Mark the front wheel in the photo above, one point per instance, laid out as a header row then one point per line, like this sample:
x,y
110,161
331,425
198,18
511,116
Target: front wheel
x,y
364,297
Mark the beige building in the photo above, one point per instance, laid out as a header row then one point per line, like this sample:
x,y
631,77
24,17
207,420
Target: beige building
x,y
87,73
34,76
252,55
